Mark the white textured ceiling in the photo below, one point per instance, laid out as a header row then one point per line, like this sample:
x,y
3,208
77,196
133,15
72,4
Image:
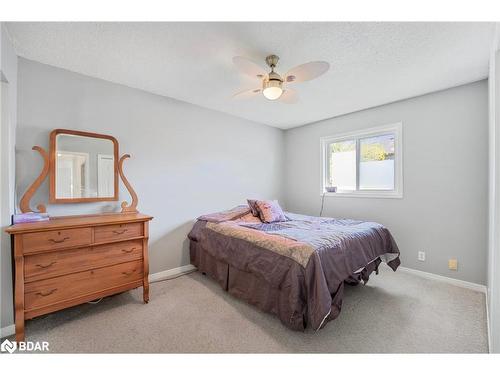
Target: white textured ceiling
x,y
372,63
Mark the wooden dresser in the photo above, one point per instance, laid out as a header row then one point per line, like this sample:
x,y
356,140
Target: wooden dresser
x,y
71,260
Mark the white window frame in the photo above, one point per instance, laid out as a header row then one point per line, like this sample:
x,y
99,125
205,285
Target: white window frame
x,y
397,129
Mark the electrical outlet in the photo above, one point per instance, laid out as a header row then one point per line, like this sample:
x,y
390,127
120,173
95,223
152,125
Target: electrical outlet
x,y
453,264
421,256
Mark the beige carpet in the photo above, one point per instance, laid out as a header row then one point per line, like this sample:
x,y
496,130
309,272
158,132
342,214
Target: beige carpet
x,y
395,312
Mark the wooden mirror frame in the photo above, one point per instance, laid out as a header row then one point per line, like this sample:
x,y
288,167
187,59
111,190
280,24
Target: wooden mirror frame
x,y
52,166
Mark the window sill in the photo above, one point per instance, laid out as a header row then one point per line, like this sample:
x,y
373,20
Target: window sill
x,y
374,194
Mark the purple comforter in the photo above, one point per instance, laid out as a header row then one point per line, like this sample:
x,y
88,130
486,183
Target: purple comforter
x,y
308,259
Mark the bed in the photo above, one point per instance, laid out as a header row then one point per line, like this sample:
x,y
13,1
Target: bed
x,y
296,269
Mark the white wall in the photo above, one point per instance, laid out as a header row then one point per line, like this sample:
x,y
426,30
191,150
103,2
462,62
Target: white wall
x,y
8,110
494,198
186,160
444,208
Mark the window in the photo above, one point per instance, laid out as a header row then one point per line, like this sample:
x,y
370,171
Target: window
x,y
366,163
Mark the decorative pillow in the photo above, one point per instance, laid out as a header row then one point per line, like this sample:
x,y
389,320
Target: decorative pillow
x,y
252,203
270,211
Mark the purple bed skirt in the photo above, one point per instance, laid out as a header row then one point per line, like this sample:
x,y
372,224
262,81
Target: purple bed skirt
x,y
256,291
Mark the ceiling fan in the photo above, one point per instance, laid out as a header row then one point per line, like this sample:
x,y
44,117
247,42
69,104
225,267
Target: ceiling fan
x,y
273,85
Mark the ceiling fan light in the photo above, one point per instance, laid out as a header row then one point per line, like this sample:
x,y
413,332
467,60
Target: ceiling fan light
x,y
272,89
272,93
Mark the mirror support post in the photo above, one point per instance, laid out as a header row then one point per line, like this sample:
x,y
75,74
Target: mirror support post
x,y
24,203
132,207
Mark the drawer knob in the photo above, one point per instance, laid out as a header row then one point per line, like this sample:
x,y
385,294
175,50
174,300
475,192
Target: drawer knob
x,y
128,273
128,250
47,265
46,294
120,231
59,241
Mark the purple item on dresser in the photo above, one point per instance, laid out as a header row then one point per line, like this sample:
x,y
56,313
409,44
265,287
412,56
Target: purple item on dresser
x,y
30,217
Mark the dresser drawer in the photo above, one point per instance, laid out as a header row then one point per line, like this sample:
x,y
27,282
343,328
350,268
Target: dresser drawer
x,y
46,292
117,232
56,239
56,263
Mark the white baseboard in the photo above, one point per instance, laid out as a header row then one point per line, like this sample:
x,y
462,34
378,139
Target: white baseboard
x,y
158,276
448,280
7,331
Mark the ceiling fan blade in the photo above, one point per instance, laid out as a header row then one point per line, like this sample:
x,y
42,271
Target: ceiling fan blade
x,y
307,71
246,94
249,67
289,96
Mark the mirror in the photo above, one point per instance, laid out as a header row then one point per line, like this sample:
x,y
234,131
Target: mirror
x,y
83,167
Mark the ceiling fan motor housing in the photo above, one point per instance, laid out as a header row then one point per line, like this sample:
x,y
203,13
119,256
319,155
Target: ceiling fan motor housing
x,y
273,76
273,80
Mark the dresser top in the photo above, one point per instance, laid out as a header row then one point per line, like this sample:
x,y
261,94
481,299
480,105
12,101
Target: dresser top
x,y
77,221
